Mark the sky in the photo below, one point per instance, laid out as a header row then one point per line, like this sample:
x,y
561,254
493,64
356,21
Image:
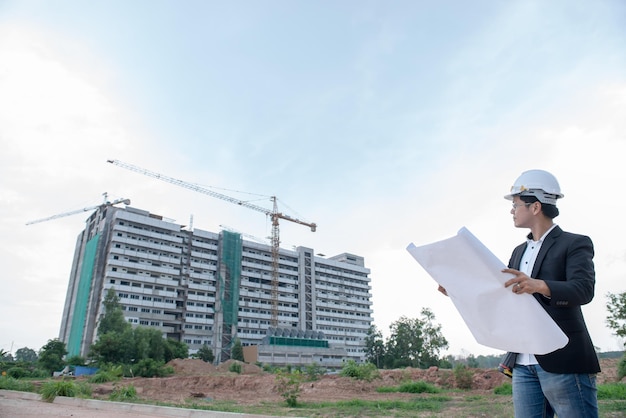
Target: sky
x,y
386,123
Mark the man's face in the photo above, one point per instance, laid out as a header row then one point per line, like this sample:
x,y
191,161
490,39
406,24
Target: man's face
x,y
522,215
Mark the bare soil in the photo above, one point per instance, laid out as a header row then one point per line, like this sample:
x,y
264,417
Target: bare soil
x,y
197,379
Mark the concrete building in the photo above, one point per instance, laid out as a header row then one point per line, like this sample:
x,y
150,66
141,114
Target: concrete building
x,y
201,287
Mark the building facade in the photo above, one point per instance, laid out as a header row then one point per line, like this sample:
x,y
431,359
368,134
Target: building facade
x,y
201,287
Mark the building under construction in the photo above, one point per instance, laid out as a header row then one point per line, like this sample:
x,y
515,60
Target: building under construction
x,y
202,287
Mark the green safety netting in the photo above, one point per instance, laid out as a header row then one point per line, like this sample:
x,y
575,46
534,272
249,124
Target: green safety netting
x,y
231,260
82,297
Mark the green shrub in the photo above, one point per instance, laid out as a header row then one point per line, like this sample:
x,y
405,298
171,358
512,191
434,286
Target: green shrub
x,y
103,376
612,391
11,383
418,387
235,367
313,371
504,389
18,372
40,373
107,373
52,389
151,368
365,371
84,389
288,386
123,393
463,377
410,387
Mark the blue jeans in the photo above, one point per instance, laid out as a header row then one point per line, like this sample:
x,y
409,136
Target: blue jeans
x,y
541,394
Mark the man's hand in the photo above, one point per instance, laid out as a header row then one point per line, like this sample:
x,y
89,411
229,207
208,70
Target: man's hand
x,y
523,284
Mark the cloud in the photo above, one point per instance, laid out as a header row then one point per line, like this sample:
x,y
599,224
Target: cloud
x,y
406,138
56,126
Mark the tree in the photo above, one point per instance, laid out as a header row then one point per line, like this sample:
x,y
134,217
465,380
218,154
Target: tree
x,y
75,361
236,352
617,313
51,355
472,361
175,349
374,346
404,343
114,347
148,344
134,345
617,322
113,319
6,356
434,341
414,342
26,354
205,354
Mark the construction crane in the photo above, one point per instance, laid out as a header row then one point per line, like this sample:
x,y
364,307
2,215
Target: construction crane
x,y
273,213
86,209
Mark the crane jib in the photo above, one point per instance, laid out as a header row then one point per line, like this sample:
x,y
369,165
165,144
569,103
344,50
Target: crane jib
x,y
273,213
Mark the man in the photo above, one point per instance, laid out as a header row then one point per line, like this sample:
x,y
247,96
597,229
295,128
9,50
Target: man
x,y
556,267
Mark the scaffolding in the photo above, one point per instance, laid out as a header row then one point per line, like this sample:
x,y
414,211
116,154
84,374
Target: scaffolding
x,y
228,281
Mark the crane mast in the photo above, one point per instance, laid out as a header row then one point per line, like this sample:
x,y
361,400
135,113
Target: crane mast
x,y
273,213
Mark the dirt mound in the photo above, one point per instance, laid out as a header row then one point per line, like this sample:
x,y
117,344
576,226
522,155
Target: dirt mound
x,y
196,379
245,367
609,372
191,367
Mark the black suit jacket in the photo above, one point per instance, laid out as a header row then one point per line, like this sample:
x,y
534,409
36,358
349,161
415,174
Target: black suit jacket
x,y
565,263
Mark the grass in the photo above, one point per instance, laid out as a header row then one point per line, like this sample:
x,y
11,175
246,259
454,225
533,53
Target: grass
x,y
20,385
445,403
410,387
51,389
425,401
123,393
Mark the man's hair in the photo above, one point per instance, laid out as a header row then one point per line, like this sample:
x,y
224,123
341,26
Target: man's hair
x,y
551,211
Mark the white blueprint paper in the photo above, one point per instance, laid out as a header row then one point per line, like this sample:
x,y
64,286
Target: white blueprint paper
x,y
497,317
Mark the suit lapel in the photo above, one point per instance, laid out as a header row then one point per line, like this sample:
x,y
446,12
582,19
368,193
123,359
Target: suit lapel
x,y
517,256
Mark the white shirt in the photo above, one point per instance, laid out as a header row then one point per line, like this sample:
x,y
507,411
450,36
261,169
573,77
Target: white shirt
x,y
526,266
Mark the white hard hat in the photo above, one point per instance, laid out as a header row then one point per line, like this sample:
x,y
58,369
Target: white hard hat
x,y
538,183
